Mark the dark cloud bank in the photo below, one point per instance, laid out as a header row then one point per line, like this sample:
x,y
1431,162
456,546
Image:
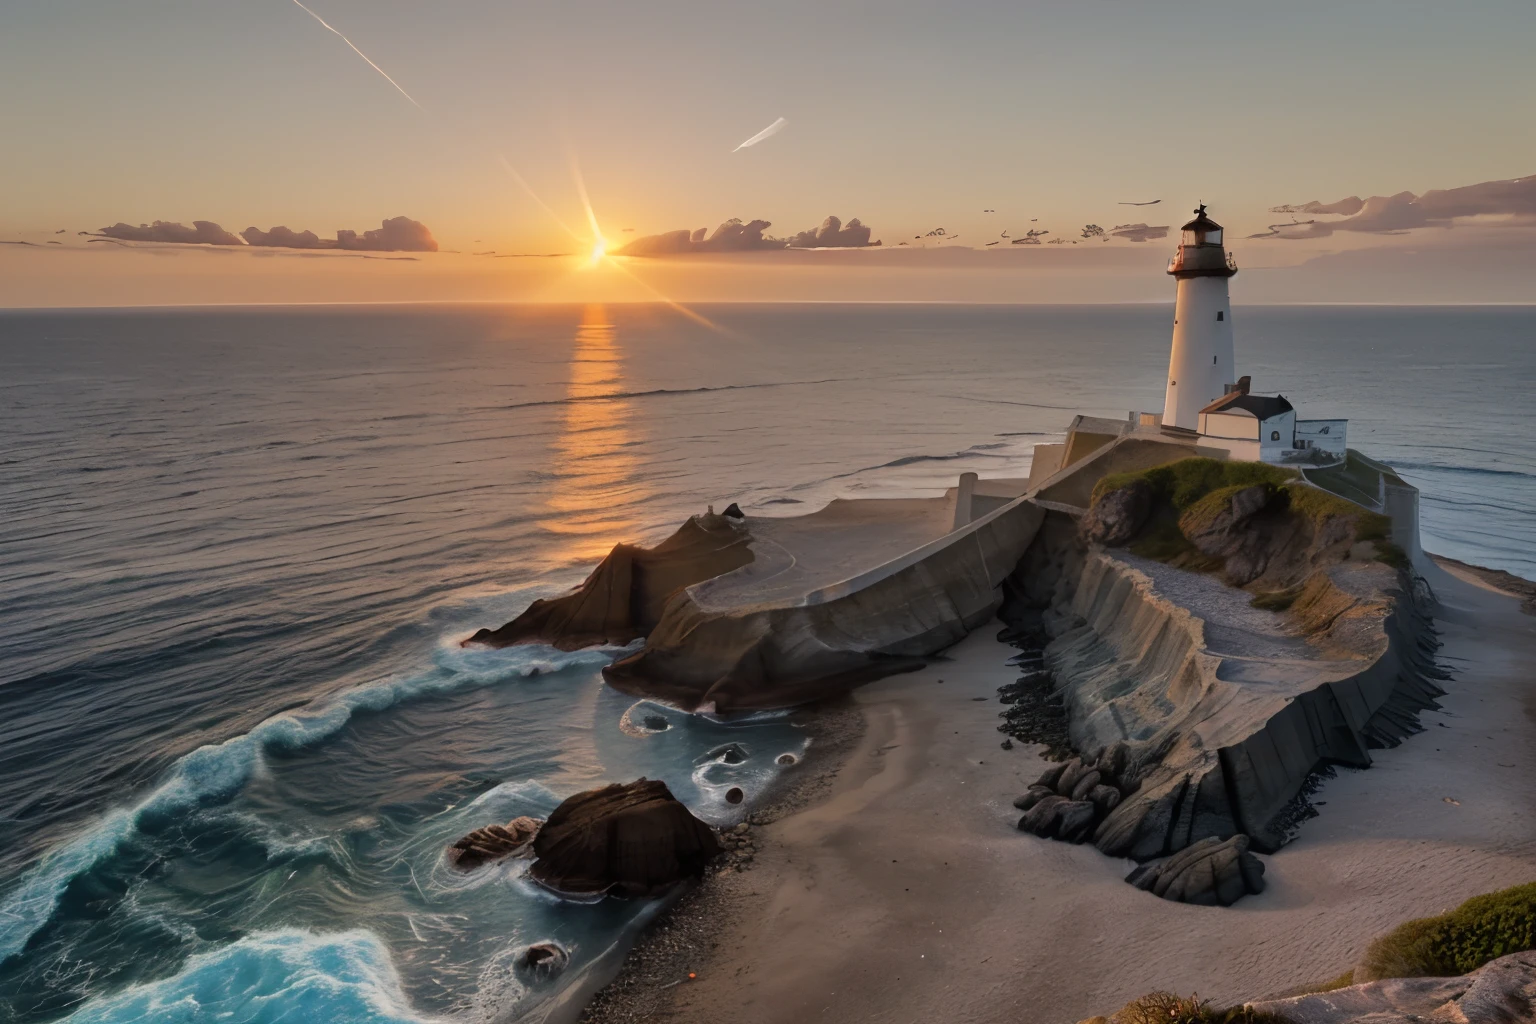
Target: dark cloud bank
x,y
738,236
397,234
1406,211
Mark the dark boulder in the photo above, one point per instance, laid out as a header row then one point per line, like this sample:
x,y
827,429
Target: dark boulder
x,y
494,842
1118,515
1041,818
543,959
726,753
631,840
734,511
1075,820
1210,872
1032,796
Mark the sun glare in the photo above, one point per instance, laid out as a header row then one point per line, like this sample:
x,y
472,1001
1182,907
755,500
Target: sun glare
x,y
599,250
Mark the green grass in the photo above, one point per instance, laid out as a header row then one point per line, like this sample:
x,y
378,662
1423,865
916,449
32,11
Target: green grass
x,y
1358,478
1197,490
1480,930
1186,481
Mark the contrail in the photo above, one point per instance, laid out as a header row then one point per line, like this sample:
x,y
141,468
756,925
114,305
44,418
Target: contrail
x,y
772,129
401,89
361,54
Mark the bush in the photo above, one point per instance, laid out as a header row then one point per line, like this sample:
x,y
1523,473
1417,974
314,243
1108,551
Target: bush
x,y
1480,930
1167,1008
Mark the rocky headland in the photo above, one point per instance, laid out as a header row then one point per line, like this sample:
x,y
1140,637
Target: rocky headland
x,y
1198,638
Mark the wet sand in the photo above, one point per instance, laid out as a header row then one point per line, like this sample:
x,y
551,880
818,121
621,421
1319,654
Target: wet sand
x,y
906,894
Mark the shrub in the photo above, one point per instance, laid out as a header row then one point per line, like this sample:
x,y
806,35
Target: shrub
x,y
1480,930
1167,1008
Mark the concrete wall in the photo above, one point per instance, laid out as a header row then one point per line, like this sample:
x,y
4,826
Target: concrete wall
x,y
1327,435
792,650
1276,436
1237,424
1241,451
1048,459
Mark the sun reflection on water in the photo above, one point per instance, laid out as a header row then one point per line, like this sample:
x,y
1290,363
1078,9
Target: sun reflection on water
x,y
595,489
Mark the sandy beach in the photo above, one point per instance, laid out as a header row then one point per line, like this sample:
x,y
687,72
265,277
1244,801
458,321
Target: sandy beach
x,y
903,892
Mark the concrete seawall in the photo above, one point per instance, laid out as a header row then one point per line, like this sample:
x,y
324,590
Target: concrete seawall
x,y
720,646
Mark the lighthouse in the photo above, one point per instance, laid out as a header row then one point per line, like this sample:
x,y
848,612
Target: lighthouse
x,y
1201,367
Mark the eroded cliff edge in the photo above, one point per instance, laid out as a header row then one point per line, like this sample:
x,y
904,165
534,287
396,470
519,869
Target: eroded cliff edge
x,y
1216,703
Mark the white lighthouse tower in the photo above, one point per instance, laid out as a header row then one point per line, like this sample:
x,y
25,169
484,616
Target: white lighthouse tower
x,y
1201,367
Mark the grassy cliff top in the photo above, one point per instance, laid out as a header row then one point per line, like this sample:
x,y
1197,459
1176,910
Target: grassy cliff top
x,y
1190,494
1186,481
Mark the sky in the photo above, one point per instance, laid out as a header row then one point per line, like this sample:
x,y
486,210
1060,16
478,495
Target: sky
x,y
908,116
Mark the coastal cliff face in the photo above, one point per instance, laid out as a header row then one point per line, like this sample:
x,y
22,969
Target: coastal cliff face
x,y
718,648
746,613
623,599
1223,709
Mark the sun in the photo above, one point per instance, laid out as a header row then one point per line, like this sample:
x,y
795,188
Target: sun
x,y
599,250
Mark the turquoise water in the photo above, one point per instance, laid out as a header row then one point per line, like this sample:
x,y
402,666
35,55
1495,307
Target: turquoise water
x,y
238,548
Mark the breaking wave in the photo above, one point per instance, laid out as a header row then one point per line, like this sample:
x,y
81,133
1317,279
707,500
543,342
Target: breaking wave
x,y
341,978
216,772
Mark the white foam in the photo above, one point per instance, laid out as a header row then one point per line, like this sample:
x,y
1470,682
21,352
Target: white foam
x,y
290,974
217,771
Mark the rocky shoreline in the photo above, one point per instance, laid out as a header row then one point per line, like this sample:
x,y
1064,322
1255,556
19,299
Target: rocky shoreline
x,y
678,946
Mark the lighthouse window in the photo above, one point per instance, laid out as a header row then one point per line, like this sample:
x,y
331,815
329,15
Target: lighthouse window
x,y
1221,314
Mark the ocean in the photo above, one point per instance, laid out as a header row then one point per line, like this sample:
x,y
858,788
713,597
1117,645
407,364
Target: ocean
x,y
238,548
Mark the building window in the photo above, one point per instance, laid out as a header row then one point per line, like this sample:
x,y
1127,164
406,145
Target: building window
x,y
1221,314
1213,360
1274,435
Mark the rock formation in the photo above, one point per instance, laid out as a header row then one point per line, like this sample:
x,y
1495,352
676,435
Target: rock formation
x,y
1119,515
543,960
626,594
631,840
1209,872
743,612
1072,798
1500,992
1218,705
494,842
747,640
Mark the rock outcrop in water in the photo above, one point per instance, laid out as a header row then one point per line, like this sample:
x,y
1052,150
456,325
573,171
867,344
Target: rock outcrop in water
x,y
626,594
631,840
493,842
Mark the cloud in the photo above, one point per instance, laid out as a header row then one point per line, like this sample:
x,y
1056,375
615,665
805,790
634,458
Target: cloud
x,y
202,232
1515,197
732,236
832,234
398,234
285,238
1139,232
